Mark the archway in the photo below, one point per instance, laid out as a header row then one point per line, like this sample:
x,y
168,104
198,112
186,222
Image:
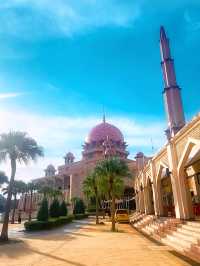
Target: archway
x,y
149,197
141,199
129,193
165,192
188,174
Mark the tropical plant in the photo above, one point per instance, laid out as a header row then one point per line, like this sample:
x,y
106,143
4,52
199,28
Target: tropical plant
x,y
63,209
45,190
3,178
16,147
111,172
2,203
18,187
31,187
91,189
79,207
54,210
55,193
43,213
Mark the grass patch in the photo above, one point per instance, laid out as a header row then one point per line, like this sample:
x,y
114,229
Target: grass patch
x,y
46,225
52,222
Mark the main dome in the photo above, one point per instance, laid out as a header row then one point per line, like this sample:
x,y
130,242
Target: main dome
x,y
104,130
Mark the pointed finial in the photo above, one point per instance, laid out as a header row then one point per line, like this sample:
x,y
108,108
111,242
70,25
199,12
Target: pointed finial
x,y
104,116
162,33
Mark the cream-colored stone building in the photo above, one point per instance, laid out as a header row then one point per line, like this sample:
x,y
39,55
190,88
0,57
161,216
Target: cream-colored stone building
x,y
169,185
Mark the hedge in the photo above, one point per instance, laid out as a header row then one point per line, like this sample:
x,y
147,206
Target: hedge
x,y
80,216
50,224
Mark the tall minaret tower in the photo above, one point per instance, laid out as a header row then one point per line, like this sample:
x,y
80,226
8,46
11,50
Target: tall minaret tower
x,y
171,93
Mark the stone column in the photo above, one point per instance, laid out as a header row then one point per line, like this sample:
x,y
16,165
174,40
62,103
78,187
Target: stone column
x,y
137,202
147,201
178,186
154,187
141,196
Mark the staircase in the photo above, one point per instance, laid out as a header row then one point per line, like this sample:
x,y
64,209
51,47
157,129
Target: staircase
x,y
184,237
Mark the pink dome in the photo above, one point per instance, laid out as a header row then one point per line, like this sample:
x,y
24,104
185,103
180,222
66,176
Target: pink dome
x,y
101,131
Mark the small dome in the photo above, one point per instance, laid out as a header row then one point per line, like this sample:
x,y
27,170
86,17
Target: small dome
x,y
104,130
51,167
69,155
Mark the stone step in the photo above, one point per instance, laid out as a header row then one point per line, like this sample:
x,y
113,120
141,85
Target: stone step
x,y
154,226
170,243
188,232
195,248
185,237
150,229
146,231
195,224
190,228
179,242
193,255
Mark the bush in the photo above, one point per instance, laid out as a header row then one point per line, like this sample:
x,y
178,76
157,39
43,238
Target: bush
x,y
54,210
79,207
50,224
91,209
63,209
43,213
80,216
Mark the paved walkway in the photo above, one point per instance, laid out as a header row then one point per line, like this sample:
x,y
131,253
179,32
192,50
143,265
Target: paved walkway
x,y
84,244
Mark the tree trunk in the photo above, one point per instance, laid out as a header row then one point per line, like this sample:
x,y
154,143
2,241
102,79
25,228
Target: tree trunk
x,y
113,213
14,208
30,209
97,210
4,232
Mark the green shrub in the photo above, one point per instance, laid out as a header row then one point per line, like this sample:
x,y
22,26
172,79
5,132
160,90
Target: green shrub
x,y
80,216
91,209
63,209
46,225
79,207
54,210
43,213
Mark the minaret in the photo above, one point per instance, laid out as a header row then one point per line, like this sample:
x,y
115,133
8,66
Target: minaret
x,y
171,93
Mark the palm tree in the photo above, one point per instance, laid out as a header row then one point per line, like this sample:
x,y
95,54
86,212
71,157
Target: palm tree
x,y
18,187
17,147
31,187
111,172
3,178
91,189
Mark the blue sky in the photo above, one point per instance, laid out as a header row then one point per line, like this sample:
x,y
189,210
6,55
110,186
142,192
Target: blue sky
x,y
62,61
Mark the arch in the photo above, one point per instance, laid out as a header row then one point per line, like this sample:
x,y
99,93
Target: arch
x,y
160,168
149,198
165,193
185,193
187,150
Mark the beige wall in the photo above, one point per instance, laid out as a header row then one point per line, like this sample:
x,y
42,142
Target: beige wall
x,y
174,156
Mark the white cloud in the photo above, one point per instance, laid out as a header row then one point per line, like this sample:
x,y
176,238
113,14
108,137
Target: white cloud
x,y
59,135
9,95
39,18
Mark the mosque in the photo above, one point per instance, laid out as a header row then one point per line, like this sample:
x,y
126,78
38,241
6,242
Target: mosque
x,y
69,177
168,184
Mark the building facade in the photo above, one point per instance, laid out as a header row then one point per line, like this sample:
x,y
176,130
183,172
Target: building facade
x,y
169,185
69,177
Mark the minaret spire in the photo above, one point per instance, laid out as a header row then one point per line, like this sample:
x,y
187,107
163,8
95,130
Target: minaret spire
x,y
104,115
171,93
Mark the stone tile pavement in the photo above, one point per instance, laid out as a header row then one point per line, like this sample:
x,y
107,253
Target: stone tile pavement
x,y
82,243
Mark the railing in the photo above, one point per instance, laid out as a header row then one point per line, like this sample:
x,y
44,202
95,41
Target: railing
x,y
196,209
